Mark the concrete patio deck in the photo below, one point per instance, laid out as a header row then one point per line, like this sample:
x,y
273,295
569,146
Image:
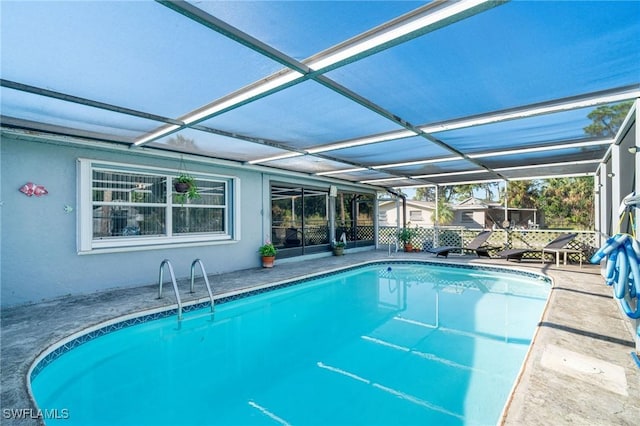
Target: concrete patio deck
x,y
579,370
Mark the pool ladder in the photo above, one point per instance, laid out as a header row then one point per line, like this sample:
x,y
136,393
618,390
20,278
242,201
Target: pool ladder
x,y
204,275
167,263
173,281
391,243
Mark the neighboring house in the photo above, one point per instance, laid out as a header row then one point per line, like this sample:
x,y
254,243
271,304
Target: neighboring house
x,y
470,213
476,213
419,213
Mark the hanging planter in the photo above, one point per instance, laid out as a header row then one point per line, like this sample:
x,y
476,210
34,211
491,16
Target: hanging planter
x,y
185,186
182,187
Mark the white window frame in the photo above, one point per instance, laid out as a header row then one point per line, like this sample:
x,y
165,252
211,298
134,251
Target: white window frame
x,y
87,244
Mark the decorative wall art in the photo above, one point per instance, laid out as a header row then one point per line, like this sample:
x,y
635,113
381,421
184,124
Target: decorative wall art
x,y
29,189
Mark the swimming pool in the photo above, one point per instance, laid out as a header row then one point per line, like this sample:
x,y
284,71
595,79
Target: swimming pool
x,y
387,343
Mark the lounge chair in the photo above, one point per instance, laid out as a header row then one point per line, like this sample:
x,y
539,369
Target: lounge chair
x,y
477,245
555,246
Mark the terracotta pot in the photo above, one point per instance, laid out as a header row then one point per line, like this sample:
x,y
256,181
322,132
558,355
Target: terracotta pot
x,y
267,261
408,247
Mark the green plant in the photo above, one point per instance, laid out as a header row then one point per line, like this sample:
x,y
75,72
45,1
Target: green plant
x,y
338,244
338,247
268,249
185,178
406,234
191,192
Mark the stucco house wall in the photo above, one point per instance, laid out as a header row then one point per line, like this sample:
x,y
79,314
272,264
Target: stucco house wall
x,y
40,257
419,213
39,250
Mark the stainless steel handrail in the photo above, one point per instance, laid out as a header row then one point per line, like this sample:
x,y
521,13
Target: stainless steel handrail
x,y
173,281
204,275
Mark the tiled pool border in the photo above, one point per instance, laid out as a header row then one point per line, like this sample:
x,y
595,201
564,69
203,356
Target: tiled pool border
x,y
83,336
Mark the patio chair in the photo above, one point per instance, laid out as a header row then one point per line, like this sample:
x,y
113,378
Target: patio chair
x,y
555,246
477,245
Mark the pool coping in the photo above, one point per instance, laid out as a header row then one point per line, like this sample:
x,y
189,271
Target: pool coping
x,y
548,402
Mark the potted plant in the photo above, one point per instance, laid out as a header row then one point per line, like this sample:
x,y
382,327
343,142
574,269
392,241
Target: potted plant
x,y
338,248
406,235
268,252
185,186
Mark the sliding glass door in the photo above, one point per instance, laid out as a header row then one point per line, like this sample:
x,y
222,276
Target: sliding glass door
x,y
355,218
299,220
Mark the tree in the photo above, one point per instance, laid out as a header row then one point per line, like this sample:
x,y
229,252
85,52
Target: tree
x,y
454,193
491,189
445,213
607,119
460,192
522,193
568,202
179,141
425,193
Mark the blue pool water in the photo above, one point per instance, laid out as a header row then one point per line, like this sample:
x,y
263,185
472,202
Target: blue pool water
x,y
382,344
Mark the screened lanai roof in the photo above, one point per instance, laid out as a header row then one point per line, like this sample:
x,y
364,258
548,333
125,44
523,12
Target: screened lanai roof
x,y
387,93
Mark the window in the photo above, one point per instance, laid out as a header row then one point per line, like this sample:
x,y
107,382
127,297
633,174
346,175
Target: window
x,y
382,218
467,217
415,215
127,206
